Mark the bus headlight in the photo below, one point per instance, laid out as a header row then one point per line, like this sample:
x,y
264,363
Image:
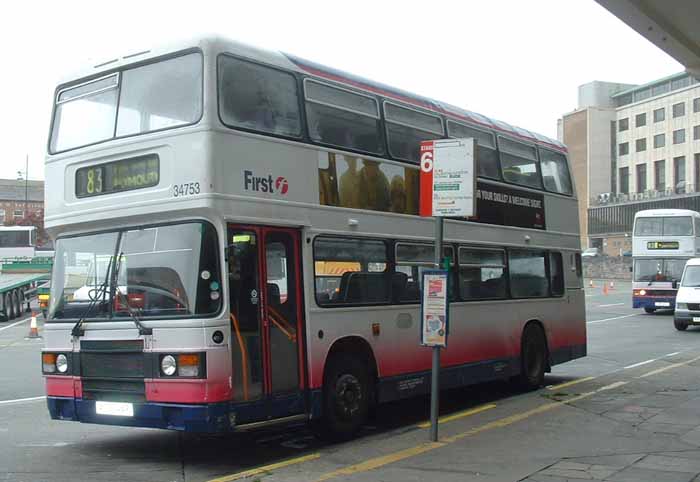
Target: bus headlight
x,y
642,292
61,363
168,365
681,306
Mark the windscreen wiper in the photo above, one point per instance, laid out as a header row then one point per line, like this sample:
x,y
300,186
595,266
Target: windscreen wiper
x,y
77,330
142,329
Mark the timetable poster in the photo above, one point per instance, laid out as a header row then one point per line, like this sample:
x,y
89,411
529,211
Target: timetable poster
x,y
434,308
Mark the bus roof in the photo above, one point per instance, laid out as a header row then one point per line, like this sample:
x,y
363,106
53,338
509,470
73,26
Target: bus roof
x,y
693,262
666,213
214,45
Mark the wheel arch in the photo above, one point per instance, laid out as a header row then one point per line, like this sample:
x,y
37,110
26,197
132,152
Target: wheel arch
x,y
355,345
540,325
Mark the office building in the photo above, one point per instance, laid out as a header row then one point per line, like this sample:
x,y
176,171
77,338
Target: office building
x,y
633,148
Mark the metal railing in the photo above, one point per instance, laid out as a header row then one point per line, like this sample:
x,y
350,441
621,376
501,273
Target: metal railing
x,y
680,190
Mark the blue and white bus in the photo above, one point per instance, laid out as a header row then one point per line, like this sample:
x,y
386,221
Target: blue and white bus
x,y
662,241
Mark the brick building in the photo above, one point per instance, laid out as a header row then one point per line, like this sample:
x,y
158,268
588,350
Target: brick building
x,y
23,203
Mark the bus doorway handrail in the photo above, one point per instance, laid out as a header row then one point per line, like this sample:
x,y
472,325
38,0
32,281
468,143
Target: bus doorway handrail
x,y
244,356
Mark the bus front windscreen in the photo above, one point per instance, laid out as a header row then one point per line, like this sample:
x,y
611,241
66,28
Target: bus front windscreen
x,y
152,272
664,226
658,269
151,97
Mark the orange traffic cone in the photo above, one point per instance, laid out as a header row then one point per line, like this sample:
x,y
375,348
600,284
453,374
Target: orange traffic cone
x,y
33,329
605,289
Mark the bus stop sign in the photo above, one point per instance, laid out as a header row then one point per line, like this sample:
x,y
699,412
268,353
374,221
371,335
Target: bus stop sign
x,y
447,178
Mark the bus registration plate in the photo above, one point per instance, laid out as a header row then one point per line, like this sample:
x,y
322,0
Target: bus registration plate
x,y
119,409
665,304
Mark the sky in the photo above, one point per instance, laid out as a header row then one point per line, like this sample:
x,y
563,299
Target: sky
x,y
517,61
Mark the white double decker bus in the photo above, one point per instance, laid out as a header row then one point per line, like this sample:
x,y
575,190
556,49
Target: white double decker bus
x,y
238,244
662,241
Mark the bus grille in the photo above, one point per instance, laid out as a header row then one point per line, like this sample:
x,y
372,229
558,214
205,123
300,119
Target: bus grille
x,y
114,390
671,293
694,306
114,370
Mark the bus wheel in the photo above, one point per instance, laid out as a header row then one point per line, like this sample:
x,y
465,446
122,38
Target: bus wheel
x,y
345,397
533,358
680,326
650,310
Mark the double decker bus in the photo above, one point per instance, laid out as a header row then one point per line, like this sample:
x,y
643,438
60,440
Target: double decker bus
x,y
662,241
238,244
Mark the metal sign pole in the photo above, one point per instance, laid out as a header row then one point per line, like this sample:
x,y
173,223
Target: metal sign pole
x,y
435,378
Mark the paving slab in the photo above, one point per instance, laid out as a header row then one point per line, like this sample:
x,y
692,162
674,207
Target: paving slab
x,y
635,474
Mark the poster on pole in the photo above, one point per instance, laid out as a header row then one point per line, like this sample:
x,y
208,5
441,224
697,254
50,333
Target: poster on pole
x,y
447,178
434,309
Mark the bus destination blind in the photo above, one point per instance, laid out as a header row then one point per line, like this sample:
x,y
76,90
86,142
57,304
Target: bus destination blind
x,y
122,175
662,245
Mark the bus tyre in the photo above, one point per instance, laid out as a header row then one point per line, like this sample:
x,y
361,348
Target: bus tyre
x,y
680,326
533,358
346,397
650,310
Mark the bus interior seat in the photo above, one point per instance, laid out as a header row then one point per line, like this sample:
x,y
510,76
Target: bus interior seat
x,y
550,183
273,294
412,292
399,283
362,287
494,288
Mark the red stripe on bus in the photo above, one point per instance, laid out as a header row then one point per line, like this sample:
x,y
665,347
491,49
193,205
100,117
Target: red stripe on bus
x,y
60,386
187,391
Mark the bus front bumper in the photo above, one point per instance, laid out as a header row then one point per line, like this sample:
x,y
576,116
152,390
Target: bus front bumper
x,y
654,302
209,418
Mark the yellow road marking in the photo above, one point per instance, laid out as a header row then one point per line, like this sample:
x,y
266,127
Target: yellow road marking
x,y
267,468
459,415
426,447
669,367
381,461
611,386
571,383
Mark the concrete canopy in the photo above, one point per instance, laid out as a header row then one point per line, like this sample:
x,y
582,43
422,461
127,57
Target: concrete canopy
x,y
673,26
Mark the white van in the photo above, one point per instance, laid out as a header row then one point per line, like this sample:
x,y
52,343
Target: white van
x,y
688,297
